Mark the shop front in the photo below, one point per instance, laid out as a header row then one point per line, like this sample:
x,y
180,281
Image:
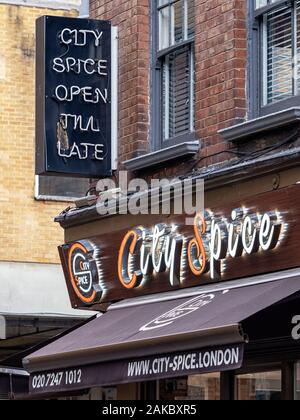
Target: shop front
x,y
200,311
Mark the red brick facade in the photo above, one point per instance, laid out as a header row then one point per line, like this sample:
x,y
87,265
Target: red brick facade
x,y
132,19
221,57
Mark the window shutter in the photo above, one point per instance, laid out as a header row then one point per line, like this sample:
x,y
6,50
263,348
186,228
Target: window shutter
x,y
279,55
177,82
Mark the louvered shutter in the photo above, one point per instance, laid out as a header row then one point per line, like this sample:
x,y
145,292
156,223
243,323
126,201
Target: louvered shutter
x,y
177,93
177,29
279,54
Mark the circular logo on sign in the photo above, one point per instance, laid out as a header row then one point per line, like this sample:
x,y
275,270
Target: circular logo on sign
x,y
83,271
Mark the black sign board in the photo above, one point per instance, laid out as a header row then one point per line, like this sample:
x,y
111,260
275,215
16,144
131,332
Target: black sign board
x,y
73,97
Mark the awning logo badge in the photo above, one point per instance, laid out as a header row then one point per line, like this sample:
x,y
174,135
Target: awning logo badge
x,y
181,311
84,272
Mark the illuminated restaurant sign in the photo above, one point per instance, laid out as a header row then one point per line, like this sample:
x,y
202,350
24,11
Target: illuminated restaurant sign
x,y
145,252
221,245
74,105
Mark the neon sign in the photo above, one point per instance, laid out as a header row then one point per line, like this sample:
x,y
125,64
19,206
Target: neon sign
x,y
168,254
75,97
144,253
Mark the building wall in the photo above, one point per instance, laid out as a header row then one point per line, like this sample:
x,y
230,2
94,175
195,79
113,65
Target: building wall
x,y
132,19
221,62
221,59
27,230
33,288
51,4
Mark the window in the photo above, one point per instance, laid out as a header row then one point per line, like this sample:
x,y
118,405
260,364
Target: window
x,y
263,386
60,188
174,70
204,387
277,24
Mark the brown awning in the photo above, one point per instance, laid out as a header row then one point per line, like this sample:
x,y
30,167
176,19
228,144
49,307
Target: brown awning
x,y
155,339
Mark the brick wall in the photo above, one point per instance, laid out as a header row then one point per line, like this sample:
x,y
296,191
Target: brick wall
x,y
221,59
221,56
132,19
27,230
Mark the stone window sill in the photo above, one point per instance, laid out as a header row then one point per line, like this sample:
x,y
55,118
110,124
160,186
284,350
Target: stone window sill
x,y
162,156
259,125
